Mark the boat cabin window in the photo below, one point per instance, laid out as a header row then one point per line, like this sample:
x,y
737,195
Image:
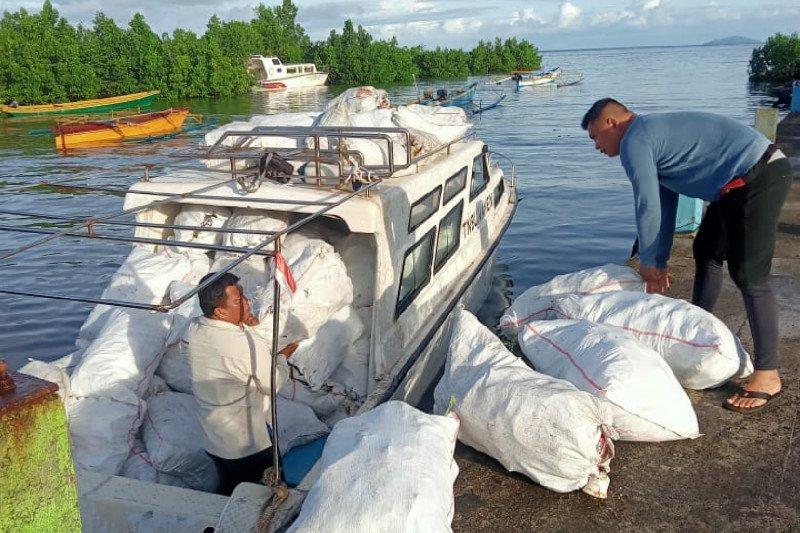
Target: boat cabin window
x,y
454,185
449,236
498,191
291,70
416,272
308,69
276,61
480,176
279,69
422,209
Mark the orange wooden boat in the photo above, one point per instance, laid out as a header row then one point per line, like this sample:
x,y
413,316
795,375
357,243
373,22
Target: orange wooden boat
x,y
112,131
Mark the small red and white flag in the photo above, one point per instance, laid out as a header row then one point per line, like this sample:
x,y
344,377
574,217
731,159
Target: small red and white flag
x,y
283,273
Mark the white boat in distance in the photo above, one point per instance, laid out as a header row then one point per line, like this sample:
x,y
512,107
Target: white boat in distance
x,y
524,79
273,75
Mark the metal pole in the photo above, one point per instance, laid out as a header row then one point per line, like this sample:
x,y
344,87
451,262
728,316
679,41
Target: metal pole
x,y
273,376
110,216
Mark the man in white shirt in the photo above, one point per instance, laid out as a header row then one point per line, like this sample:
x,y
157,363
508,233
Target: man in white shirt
x,y
230,369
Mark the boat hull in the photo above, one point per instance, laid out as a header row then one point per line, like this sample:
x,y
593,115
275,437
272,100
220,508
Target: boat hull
x,y
143,99
292,82
117,130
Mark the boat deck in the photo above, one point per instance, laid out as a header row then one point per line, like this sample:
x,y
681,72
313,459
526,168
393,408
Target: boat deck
x,y
742,474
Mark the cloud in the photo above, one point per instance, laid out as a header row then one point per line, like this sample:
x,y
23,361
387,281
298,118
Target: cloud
x,y
461,25
568,15
526,16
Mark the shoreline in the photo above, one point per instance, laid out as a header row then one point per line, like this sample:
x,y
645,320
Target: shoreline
x,y
744,472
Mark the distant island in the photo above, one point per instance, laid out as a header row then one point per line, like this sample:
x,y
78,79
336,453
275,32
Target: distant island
x,y
736,39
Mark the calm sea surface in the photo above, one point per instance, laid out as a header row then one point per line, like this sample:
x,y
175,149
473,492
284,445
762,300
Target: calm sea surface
x,y
576,208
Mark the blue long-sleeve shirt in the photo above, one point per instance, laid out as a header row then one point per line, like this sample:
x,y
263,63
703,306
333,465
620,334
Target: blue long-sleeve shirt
x,y
690,153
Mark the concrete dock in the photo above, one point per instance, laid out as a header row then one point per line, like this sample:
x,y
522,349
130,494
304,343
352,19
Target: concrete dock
x,y
742,474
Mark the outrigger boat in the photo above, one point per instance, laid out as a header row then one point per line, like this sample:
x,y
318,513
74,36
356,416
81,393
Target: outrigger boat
x,y
527,79
449,97
98,105
73,134
422,231
273,75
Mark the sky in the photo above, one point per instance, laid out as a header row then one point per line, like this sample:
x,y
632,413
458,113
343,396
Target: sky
x,y
550,24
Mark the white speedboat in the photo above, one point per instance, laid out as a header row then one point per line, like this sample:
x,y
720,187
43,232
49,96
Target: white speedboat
x,y
420,231
273,75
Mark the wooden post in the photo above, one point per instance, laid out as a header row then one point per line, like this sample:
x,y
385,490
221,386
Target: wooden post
x,y
37,482
767,122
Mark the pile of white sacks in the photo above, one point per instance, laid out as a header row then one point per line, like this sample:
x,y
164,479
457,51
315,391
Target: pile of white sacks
x,y
127,387
428,127
610,363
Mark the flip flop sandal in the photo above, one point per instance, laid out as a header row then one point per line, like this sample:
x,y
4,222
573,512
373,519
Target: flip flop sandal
x,y
742,393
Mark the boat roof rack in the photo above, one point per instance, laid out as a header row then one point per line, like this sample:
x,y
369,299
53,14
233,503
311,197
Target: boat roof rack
x,y
88,228
316,146
323,145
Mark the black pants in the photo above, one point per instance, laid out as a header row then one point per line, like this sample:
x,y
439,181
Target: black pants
x,y
235,471
740,228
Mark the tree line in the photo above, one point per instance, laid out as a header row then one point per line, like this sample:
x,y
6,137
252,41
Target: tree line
x,y
778,60
44,59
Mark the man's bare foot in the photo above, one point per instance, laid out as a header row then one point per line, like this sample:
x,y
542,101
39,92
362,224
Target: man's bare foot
x,y
762,381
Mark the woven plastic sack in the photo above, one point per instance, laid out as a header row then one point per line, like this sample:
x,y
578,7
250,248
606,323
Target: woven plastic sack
x,y
388,470
649,403
531,423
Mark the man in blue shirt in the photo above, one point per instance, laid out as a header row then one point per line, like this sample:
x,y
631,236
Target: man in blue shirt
x,y
745,179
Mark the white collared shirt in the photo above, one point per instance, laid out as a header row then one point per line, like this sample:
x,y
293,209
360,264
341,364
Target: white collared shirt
x,y
230,370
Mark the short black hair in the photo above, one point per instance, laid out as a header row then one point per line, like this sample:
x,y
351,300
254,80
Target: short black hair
x,y
211,296
596,109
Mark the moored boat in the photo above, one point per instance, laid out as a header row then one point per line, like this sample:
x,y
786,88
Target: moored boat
x,y
416,226
528,79
97,105
272,75
444,97
111,131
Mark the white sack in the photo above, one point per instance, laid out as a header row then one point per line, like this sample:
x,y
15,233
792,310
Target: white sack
x,y
352,374
280,119
246,220
199,265
531,423
184,313
609,363
604,278
102,432
52,373
699,348
391,469
174,440
323,287
143,277
431,126
322,402
120,362
297,424
317,357
176,369
157,386
206,216
139,466
354,100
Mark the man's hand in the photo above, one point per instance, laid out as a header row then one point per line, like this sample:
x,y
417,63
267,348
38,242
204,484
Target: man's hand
x,y
248,318
288,350
657,279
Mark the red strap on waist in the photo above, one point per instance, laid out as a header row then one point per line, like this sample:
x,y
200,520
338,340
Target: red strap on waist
x,y
735,183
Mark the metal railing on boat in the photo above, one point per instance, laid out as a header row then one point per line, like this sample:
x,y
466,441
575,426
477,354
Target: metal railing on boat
x,y
349,163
